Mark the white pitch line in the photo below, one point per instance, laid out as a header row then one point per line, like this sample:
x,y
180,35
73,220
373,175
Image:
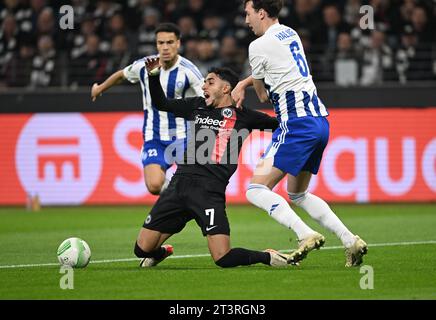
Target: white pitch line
x,y
29,265
386,244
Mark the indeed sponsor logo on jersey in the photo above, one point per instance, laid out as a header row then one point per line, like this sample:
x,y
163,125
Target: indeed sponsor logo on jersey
x,y
285,34
209,121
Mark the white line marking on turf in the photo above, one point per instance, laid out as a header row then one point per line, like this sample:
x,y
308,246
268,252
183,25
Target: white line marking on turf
x,y
387,244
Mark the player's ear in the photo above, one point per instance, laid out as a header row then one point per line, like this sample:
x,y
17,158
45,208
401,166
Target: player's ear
x,y
178,44
262,13
227,89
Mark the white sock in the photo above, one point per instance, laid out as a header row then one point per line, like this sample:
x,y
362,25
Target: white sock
x,y
164,186
319,210
278,208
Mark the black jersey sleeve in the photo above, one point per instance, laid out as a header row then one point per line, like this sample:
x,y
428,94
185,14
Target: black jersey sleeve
x,y
260,120
180,107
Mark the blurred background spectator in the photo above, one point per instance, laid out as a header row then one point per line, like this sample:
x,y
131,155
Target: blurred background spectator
x,y
44,66
346,61
207,55
378,62
8,41
89,66
146,38
110,34
413,58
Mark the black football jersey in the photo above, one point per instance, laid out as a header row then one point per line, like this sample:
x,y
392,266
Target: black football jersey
x,y
214,135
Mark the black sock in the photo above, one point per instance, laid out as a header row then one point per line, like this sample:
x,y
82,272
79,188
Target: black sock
x,y
156,254
243,257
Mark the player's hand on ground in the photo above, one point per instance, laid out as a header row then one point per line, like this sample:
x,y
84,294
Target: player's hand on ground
x,y
95,91
152,63
238,94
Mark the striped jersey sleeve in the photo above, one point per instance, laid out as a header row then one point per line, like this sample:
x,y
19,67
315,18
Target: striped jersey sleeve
x,y
194,77
133,71
257,61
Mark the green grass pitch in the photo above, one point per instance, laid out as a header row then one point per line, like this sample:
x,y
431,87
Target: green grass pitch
x,y
401,238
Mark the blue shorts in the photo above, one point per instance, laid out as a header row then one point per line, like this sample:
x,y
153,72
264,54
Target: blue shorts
x,y
298,144
163,153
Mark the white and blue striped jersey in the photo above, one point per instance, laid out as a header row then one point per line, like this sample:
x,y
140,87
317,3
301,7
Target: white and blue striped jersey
x,y
180,81
278,59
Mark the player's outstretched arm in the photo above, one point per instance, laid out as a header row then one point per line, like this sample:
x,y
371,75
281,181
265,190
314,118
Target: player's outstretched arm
x,y
158,97
97,90
180,107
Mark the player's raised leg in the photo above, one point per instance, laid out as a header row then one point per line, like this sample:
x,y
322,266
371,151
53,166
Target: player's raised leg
x,y
227,257
319,210
260,194
149,247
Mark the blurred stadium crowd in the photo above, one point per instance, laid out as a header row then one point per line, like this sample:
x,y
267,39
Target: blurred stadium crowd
x,y
108,35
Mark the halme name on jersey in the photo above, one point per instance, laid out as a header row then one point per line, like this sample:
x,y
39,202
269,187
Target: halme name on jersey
x,y
285,34
209,121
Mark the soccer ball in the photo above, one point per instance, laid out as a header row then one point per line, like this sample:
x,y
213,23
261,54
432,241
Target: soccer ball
x,y
74,252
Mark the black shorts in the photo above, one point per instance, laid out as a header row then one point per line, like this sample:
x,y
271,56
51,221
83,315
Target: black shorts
x,y
190,198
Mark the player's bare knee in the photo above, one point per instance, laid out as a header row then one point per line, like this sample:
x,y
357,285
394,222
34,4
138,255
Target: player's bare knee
x,y
222,260
148,240
219,254
140,250
297,198
154,187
